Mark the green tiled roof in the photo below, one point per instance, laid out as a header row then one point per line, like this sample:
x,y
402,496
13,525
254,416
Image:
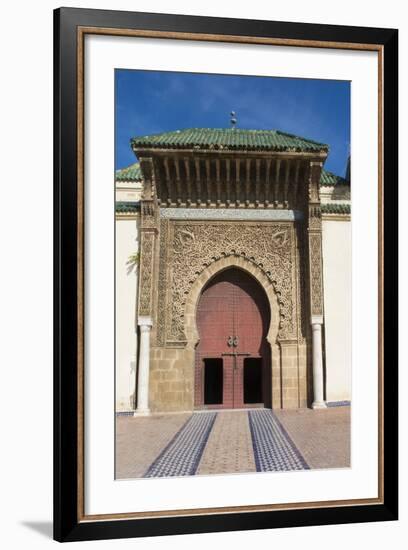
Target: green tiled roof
x,y
227,139
123,206
130,173
336,208
328,179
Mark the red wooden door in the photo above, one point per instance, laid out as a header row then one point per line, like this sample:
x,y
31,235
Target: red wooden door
x,y
232,321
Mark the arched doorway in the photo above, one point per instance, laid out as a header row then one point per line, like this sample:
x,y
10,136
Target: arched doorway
x,y
232,358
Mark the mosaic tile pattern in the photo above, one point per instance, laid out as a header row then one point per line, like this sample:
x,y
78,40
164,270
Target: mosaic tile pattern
x,y
182,455
273,448
230,214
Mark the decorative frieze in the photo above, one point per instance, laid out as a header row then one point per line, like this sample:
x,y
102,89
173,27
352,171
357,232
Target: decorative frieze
x,y
230,214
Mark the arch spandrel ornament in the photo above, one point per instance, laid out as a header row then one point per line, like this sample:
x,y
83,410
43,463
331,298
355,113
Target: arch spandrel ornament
x,y
228,262
189,248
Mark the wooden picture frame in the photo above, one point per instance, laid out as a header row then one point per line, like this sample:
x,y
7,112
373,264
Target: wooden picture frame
x,y
70,28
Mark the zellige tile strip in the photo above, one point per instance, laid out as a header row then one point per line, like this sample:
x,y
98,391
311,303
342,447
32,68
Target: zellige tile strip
x,y
182,455
273,448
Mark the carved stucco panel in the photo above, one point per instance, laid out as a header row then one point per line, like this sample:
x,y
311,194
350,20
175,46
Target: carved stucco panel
x,y
188,248
302,285
315,241
146,272
162,290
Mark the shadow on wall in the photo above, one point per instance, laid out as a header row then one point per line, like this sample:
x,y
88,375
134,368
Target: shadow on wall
x,y
44,528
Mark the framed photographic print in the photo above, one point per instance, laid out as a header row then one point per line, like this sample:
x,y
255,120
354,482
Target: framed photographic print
x,y
225,274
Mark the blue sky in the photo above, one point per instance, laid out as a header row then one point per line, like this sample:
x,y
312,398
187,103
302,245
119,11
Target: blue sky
x,y
149,102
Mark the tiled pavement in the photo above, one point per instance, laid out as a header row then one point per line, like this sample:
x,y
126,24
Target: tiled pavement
x,y
182,455
231,442
274,450
140,440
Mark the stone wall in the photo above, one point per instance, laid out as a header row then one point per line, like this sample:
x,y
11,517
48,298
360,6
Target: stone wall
x,y
171,385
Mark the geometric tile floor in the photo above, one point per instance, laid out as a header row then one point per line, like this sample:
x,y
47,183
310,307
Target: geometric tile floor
x,y
182,455
274,450
219,442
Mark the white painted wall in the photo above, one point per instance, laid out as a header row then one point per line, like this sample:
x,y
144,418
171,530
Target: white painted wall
x,y
337,308
127,243
128,191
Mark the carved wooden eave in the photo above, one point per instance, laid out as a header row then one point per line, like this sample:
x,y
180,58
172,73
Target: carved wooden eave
x,y
228,179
